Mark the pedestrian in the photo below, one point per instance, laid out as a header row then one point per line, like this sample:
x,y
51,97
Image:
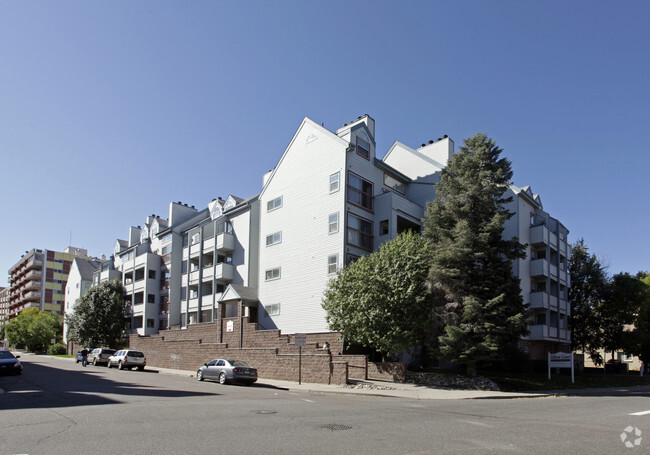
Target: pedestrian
x,y
326,346
84,356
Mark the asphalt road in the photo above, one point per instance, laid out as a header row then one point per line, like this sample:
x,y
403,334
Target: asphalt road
x,y
59,407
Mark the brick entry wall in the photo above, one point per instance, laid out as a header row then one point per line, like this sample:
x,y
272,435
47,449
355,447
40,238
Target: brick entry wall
x,y
273,354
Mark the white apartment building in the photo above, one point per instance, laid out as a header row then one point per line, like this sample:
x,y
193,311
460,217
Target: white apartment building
x,y
80,278
544,273
328,201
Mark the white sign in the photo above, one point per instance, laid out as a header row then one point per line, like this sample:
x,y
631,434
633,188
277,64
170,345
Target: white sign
x,y
301,339
229,326
561,360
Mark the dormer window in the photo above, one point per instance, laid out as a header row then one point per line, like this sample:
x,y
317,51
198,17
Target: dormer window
x,y
363,148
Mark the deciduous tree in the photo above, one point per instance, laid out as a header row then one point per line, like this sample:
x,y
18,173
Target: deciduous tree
x,y
33,329
99,317
382,301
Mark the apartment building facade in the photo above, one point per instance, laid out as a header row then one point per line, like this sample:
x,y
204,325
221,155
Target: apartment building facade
x,y
80,279
39,278
543,274
328,201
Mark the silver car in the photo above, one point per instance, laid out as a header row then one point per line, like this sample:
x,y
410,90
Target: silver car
x,y
99,356
127,359
227,371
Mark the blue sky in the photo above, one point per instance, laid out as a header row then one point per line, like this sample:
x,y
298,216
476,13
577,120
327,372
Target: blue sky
x,y
110,110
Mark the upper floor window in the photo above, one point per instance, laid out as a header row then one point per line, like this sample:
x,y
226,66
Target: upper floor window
x,y
334,223
363,148
332,264
195,238
274,204
274,238
359,232
360,191
393,183
334,182
272,274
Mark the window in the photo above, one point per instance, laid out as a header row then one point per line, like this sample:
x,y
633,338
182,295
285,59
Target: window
x,y
138,298
166,238
393,183
152,274
332,264
195,238
151,298
383,227
274,204
350,258
334,182
363,148
272,274
334,223
273,309
150,323
274,238
166,250
359,232
360,192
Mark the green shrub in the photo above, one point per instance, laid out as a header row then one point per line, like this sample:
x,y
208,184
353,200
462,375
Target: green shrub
x,y
57,349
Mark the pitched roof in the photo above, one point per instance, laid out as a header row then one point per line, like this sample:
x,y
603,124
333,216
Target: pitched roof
x,y
239,292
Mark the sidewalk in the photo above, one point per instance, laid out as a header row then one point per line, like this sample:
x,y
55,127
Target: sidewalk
x,y
378,388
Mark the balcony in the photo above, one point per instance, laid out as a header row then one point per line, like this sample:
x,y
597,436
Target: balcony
x,y
539,300
539,268
225,242
538,332
222,272
539,235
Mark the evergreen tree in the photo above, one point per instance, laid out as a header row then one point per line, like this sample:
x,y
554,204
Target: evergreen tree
x,y
482,308
99,317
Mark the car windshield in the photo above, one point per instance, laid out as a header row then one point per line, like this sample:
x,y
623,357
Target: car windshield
x,y
238,363
6,355
135,354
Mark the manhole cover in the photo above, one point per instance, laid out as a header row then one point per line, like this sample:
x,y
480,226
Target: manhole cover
x,y
335,427
263,411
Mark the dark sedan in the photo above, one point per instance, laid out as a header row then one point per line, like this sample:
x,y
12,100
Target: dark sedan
x,y
9,364
227,371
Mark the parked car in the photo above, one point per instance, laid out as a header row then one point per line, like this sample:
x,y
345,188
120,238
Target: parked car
x,y
99,356
9,364
127,359
227,371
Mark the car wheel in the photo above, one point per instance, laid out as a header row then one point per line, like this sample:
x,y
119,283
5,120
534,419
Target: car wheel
x,y
222,378
199,375
141,368
95,362
120,365
108,364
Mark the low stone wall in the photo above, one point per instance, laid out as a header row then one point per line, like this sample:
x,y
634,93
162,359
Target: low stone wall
x,y
273,354
387,371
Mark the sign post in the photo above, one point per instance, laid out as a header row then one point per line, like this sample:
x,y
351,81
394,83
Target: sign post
x,y
561,360
300,341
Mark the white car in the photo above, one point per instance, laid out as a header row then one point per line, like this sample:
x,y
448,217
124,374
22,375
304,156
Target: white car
x,y
127,359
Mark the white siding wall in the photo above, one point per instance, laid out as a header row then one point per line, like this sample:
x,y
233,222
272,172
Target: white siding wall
x,y
302,179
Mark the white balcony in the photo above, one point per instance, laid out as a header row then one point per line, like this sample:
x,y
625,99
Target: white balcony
x,y
539,300
225,242
539,235
539,267
222,272
538,332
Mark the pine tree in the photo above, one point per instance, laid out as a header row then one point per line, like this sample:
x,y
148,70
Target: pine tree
x,y
482,307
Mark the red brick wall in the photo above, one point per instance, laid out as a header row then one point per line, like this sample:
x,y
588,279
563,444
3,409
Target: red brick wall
x,y
273,354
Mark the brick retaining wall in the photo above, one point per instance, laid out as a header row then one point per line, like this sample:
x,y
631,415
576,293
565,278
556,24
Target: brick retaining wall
x,y
273,354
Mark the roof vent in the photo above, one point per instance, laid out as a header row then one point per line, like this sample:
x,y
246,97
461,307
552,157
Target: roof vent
x,y
423,145
430,142
445,136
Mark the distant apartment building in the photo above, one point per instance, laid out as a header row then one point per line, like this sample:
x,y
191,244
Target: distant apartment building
x,y
328,201
39,278
80,279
